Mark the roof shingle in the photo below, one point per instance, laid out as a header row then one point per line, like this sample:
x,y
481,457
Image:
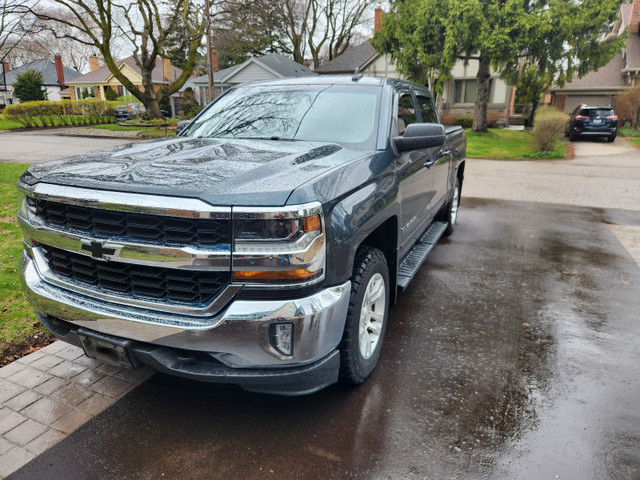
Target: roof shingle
x,y
354,57
48,70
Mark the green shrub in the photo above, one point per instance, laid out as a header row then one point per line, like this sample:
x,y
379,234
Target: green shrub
x,y
28,86
464,122
66,112
111,94
548,127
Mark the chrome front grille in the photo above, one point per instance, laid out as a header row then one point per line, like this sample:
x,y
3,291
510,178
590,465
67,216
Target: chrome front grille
x,y
154,228
152,283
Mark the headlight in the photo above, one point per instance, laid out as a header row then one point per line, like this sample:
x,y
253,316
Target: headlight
x,y
279,247
26,204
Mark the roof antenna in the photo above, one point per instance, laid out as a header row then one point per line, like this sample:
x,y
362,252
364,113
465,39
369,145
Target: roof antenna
x,y
357,75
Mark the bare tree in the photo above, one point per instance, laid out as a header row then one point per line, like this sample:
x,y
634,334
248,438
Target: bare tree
x,y
48,40
145,26
13,26
325,27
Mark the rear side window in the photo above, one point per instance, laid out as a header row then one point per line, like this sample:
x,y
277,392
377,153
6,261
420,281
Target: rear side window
x,y
596,112
406,113
426,109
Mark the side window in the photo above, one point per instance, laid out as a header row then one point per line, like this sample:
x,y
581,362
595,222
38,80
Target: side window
x,y
426,109
406,113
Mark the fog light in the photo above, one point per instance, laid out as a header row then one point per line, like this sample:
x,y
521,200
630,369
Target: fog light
x,y
281,337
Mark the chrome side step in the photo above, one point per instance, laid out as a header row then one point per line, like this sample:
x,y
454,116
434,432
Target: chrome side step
x,y
412,262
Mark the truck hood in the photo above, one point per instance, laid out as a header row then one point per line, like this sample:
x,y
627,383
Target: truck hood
x,y
218,171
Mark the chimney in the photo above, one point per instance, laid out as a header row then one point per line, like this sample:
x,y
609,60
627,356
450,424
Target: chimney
x,y
94,63
5,66
166,69
635,17
214,60
377,20
59,69
307,63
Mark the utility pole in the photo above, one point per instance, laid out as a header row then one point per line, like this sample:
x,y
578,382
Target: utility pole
x,y
207,12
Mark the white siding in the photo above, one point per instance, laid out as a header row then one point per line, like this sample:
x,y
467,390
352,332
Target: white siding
x,y
382,67
53,93
500,91
251,73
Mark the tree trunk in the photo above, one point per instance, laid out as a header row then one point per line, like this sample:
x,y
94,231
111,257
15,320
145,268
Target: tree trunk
x,y
532,114
482,97
150,101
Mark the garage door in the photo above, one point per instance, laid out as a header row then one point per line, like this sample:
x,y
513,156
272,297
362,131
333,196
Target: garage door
x,y
574,100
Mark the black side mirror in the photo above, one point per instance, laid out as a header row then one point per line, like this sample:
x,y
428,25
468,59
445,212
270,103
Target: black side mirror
x,y
182,125
421,135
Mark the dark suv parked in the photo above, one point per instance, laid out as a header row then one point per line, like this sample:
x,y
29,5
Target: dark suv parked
x,y
593,121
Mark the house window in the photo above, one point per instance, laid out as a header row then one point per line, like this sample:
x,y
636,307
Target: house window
x,y
467,90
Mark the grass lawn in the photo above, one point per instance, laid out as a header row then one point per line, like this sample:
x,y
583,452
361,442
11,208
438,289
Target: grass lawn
x,y
19,327
629,132
506,145
8,124
147,132
635,140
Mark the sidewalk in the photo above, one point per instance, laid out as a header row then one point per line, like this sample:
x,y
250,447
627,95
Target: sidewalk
x,y
50,393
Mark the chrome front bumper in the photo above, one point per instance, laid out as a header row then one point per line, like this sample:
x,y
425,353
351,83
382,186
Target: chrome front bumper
x,y
238,336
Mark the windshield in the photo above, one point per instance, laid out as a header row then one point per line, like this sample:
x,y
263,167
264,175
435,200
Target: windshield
x,y
600,112
313,113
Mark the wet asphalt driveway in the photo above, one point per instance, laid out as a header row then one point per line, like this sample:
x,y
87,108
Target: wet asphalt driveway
x,y
513,355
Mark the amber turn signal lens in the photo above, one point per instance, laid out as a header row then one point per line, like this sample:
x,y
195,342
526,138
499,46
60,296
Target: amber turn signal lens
x,y
311,224
258,275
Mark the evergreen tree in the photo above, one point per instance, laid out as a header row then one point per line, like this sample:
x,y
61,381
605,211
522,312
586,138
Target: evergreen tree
x,y
532,42
28,86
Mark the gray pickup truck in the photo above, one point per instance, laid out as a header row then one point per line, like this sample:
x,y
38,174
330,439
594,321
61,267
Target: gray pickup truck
x,y
261,247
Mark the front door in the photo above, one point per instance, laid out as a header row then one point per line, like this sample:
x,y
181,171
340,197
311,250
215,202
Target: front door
x,y
415,180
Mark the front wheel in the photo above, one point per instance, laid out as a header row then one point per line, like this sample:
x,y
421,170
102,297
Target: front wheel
x,y
367,316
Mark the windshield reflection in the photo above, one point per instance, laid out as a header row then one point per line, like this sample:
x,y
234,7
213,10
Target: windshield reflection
x,y
313,113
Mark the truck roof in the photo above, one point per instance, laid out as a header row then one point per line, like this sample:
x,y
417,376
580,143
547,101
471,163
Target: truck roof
x,y
336,80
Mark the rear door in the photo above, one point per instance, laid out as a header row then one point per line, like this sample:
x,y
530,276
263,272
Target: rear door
x,y
441,169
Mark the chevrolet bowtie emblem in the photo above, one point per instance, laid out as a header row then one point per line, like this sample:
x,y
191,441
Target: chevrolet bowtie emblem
x,y
98,249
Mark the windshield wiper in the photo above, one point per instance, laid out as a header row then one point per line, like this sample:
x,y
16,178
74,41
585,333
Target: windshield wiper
x,y
276,138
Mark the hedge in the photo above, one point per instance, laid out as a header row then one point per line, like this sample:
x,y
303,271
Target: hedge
x,y
66,112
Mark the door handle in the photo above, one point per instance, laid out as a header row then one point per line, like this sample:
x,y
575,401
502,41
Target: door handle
x,y
442,153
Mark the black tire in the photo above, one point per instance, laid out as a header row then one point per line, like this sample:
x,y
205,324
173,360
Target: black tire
x,y
369,267
449,213
611,139
572,137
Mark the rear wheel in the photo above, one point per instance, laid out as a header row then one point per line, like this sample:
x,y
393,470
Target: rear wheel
x,y
367,316
450,212
611,138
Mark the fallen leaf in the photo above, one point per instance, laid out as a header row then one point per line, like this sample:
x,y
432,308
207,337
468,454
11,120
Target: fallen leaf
x,y
624,281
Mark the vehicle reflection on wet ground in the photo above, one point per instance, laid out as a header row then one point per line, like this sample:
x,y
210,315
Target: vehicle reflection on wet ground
x,y
513,354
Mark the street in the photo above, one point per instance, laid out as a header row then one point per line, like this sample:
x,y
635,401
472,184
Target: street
x,y
512,355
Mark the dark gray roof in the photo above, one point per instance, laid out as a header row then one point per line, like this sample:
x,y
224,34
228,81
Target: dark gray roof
x,y
608,76
285,66
354,57
48,70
